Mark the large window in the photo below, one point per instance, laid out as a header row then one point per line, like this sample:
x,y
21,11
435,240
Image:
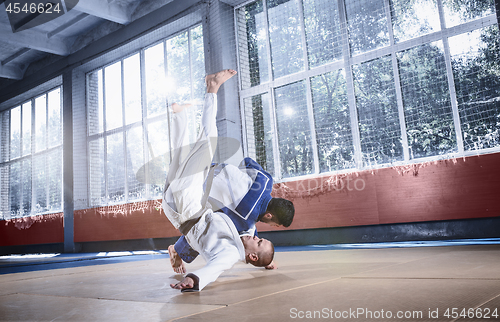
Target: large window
x,y
31,157
334,85
128,119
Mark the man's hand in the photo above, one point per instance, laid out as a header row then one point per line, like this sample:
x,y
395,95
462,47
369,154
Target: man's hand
x,y
272,266
187,282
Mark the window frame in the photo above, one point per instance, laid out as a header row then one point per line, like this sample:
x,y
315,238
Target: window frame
x,y
34,153
347,61
144,123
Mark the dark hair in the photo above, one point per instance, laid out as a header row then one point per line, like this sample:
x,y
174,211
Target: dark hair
x,y
282,209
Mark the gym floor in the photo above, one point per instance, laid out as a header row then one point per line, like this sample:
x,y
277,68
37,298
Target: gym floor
x,y
410,281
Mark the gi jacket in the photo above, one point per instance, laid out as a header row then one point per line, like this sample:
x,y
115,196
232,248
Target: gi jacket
x,y
243,193
215,237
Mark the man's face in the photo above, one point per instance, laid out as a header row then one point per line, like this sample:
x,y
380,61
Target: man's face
x,y
255,244
270,220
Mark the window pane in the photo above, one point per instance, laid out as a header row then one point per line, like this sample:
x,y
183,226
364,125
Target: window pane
x,y
15,189
285,36
426,101
4,192
3,144
132,88
135,161
41,123
26,111
55,123
54,159
252,45
476,71
158,148
95,101
155,76
323,34
333,126
116,168
294,131
198,63
97,183
113,93
413,18
367,23
460,11
179,72
260,130
378,114
26,186
40,184
15,132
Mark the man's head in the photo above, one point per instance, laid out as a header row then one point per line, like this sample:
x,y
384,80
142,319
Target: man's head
x,y
279,212
258,251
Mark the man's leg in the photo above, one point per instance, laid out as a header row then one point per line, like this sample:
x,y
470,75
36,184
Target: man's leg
x,y
191,173
181,253
207,131
179,124
187,187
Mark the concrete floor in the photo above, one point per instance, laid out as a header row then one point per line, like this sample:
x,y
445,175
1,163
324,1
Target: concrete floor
x,y
373,284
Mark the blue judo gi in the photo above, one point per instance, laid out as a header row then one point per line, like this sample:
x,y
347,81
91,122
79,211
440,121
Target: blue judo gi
x,y
245,205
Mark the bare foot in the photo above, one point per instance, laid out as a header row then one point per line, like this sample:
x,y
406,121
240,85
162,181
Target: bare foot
x,y
176,261
214,81
176,108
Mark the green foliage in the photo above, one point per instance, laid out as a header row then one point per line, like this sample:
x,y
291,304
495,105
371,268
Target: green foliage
x,y
294,134
470,9
251,11
323,33
377,111
331,115
477,83
367,24
421,72
426,101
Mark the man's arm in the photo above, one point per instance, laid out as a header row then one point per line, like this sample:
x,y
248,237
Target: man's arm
x,y
197,280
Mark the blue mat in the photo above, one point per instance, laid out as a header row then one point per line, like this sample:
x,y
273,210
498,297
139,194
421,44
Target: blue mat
x,y
38,262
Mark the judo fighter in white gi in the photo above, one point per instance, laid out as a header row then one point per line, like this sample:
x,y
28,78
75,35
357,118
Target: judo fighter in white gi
x,y
212,234
243,193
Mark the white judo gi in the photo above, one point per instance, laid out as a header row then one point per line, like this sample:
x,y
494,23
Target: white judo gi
x,y
212,234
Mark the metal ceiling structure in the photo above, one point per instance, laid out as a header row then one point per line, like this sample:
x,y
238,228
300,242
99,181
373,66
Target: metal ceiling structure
x,y
78,24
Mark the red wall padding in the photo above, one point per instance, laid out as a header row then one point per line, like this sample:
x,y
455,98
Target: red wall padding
x,y
131,221
44,229
443,190
449,189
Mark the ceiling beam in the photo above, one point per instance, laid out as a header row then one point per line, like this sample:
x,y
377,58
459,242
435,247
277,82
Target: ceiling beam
x,y
102,9
68,24
17,54
33,39
11,71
